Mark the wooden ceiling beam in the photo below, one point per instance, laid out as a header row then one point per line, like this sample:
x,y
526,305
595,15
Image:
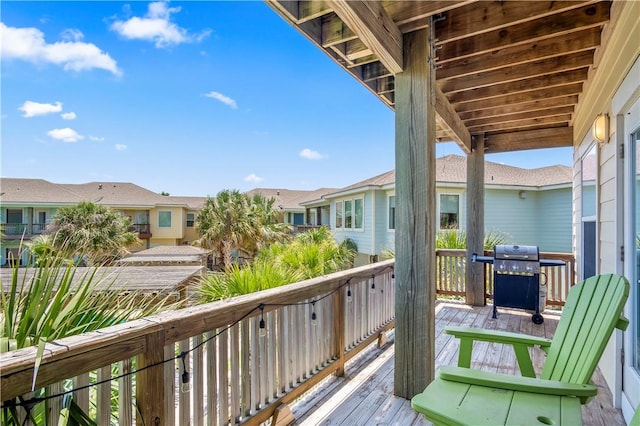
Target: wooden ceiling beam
x,y
560,120
375,28
451,119
521,98
542,82
529,139
309,10
334,31
374,71
519,72
414,15
578,41
594,15
535,105
481,17
548,112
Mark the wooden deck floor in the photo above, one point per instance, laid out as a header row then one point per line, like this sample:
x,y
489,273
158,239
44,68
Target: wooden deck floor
x,y
364,396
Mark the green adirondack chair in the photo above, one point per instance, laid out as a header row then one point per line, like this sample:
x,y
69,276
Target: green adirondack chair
x,y
592,311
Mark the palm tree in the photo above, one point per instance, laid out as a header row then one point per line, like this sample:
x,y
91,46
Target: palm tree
x,y
91,231
233,220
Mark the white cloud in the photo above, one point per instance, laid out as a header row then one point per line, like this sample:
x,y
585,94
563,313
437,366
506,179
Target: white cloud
x,y
253,178
32,109
156,26
96,138
310,154
222,98
65,135
71,34
28,44
68,115
120,147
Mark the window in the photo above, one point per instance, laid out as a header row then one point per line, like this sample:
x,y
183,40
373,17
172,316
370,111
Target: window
x,y
191,218
449,210
392,212
164,219
14,215
350,214
359,213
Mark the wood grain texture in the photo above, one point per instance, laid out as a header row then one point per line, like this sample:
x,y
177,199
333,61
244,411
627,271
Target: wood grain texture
x,y
415,219
475,222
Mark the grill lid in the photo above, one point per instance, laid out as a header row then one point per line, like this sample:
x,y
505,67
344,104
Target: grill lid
x,y
516,252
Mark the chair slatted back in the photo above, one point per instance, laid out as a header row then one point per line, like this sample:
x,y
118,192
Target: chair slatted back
x,y
592,311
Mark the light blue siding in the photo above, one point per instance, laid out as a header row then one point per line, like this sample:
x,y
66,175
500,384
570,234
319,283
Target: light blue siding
x,y
363,238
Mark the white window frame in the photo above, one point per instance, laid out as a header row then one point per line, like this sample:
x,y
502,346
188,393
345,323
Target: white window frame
x,y
343,214
339,211
170,219
193,221
389,228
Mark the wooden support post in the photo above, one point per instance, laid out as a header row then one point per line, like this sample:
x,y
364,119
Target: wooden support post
x,y
150,381
339,313
415,218
475,291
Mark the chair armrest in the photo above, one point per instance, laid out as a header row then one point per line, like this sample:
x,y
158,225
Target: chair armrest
x,y
520,343
517,383
497,336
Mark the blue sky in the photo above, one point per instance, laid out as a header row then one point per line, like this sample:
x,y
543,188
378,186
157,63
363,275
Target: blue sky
x,y
188,98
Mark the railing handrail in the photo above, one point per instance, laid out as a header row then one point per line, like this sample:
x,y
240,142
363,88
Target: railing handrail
x,y
75,355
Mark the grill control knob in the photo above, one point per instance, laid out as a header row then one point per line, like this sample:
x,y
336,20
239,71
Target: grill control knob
x,y
514,267
529,268
502,267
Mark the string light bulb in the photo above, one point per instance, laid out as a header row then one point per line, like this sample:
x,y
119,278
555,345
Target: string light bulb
x,y
372,290
262,332
313,313
185,387
349,298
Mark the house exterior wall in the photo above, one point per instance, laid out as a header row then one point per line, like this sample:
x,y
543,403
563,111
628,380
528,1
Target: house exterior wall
x,y
174,232
617,59
385,237
363,238
554,220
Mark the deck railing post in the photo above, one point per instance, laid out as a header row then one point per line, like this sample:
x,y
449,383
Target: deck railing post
x,y
150,380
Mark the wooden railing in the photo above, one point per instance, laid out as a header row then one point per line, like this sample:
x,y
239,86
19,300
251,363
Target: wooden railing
x,y
451,275
17,230
246,357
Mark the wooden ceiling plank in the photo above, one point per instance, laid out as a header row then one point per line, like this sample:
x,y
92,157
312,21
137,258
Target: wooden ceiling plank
x,y
404,12
356,50
529,139
451,119
309,10
536,105
542,82
522,124
334,31
548,112
374,28
374,71
594,15
363,61
339,50
513,55
482,17
520,98
519,72
385,85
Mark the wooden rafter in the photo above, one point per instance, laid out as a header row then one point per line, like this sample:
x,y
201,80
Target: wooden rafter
x,y
529,139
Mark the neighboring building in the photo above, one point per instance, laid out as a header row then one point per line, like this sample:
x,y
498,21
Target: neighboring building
x,y
532,207
28,206
291,203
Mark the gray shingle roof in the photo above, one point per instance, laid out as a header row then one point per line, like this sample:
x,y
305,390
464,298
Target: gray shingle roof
x,y
117,194
290,199
453,169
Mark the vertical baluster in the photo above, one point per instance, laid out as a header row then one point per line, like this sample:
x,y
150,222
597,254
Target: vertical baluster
x,y
245,378
125,393
234,353
170,384
223,378
104,397
212,379
292,325
197,380
53,405
184,399
81,397
255,362
264,366
282,347
270,341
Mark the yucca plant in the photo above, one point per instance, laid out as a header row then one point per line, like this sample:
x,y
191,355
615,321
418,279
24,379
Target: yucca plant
x,y
52,300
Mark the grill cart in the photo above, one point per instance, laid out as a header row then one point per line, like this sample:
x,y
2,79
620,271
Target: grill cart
x,y
516,278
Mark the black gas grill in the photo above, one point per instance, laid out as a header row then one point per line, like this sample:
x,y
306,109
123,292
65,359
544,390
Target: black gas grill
x,y
516,278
